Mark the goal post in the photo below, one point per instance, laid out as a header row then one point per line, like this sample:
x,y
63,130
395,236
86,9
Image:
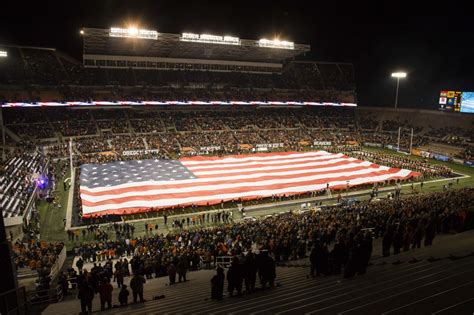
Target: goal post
x,y
410,146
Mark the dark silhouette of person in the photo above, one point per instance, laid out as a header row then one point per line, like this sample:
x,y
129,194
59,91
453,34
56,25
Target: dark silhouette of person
x,y
418,235
387,242
105,294
313,259
324,258
430,233
182,268
365,250
235,277
398,240
123,295
339,255
217,283
267,270
172,273
86,295
352,261
136,283
250,272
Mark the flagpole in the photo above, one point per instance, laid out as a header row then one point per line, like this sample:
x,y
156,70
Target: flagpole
x,y
70,156
398,144
3,135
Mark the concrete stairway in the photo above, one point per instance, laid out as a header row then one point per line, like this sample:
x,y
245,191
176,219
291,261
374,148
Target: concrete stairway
x,y
409,283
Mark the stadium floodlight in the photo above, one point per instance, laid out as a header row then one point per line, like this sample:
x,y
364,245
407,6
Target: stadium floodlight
x,y
398,75
3,54
276,43
81,32
132,32
211,39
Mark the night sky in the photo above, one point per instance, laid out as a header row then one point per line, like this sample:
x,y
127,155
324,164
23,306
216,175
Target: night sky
x,y
437,50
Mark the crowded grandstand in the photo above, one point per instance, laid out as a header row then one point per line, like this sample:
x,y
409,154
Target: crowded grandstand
x,y
160,153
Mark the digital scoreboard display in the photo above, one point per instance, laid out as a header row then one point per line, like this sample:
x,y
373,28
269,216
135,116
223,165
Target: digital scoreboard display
x,y
450,101
467,102
456,101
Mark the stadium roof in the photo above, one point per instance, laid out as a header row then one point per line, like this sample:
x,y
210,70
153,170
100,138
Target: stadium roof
x,y
100,42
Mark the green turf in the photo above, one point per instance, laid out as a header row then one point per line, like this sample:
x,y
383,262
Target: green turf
x,y
52,226
437,186
51,216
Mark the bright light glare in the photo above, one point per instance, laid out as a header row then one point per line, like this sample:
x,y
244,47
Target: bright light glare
x,y
208,38
3,54
276,43
133,32
399,74
81,32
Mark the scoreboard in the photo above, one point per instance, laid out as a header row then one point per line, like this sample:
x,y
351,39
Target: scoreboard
x,y
450,101
457,101
467,102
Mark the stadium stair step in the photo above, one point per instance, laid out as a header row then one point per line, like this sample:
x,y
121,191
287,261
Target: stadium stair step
x,y
463,307
435,281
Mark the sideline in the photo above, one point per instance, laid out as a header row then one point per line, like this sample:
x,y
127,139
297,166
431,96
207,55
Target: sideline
x,y
70,200
266,206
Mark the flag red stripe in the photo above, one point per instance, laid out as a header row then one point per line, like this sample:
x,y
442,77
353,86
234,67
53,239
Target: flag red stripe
x,y
230,181
231,190
239,156
235,174
129,210
244,166
202,176
238,162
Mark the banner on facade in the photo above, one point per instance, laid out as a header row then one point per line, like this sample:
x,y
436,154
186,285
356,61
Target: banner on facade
x,y
440,157
138,152
210,148
425,154
269,145
373,144
416,152
322,143
352,142
245,146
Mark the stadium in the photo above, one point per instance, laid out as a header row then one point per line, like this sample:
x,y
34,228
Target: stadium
x,y
218,159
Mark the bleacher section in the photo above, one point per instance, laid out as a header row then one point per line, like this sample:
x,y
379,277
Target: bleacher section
x,y
172,129
46,74
17,182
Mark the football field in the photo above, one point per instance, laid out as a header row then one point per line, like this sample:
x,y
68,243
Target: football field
x,y
52,227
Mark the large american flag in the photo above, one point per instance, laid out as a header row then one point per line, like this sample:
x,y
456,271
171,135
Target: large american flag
x,y
135,186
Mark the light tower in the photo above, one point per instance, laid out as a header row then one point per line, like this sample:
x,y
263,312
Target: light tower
x,y
398,75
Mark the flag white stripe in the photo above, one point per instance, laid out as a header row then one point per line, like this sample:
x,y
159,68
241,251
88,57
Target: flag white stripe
x,y
283,161
256,158
198,181
195,199
176,190
270,168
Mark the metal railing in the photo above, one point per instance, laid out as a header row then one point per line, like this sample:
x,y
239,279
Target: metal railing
x,y
19,302
47,296
224,261
58,264
14,302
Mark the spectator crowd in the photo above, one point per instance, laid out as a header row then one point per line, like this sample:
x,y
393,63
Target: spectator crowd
x,y
338,240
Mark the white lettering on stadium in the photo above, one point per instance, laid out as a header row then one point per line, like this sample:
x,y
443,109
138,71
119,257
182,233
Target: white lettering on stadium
x,y
138,152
